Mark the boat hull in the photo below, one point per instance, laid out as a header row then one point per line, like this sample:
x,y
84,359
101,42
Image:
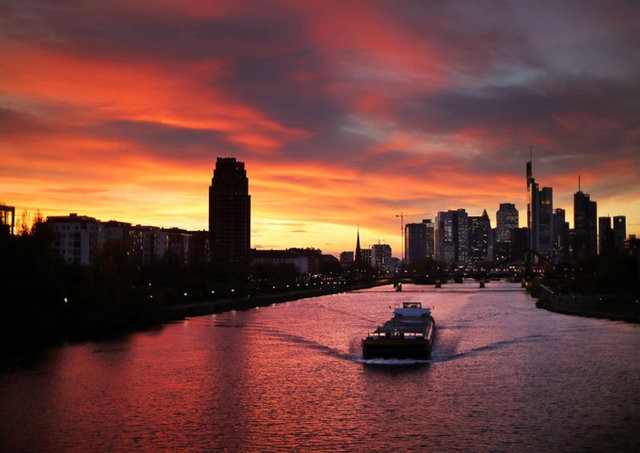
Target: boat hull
x,y
396,349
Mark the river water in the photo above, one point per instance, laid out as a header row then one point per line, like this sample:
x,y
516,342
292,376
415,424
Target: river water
x,y
504,376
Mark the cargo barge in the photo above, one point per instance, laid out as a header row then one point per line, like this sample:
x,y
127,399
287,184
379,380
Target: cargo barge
x,y
408,335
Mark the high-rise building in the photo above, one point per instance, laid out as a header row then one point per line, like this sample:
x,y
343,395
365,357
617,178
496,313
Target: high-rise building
x,y
619,232
585,224
545,223
561,244
539,215
452,237
419,240
506,221
229,212
605,236
519,242
479,237
381,256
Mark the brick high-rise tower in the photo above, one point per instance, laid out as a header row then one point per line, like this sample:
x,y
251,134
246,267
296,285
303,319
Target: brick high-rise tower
x,y
229,212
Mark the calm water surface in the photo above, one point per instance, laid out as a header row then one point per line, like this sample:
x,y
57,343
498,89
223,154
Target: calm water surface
x,y
504,376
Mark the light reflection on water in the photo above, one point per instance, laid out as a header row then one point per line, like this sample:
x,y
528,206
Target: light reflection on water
x,y
504,376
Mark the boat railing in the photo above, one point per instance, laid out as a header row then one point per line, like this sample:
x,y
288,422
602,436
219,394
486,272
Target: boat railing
x,y
405,335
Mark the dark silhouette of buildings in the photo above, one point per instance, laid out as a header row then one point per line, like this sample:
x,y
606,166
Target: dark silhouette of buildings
x,y
230,212
605,236
452,237
585,225
561,235
418,241
611,239
507,218
619,232
480,238
7,220
539,215
358,259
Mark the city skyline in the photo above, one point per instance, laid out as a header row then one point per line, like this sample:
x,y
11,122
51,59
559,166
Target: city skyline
x,y
345,113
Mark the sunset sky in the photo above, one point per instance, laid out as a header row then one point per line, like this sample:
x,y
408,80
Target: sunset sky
x,y
346,113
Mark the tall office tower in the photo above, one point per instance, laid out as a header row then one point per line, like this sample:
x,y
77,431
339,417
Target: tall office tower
x,y
605,236
230,212
532,208
519,242
545,223
381,256
561,246
452,237
619,232
479,237
418,240
506,222
539,216
585,224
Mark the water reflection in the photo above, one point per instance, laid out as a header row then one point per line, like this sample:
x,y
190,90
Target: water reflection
x,y
503,376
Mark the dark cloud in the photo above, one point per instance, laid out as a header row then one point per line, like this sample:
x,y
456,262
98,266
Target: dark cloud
x,y
433,95
14,122
164,140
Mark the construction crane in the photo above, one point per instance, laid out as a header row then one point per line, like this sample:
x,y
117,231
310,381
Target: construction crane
x,y
401,217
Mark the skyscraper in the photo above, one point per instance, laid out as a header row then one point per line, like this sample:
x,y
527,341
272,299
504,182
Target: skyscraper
x,y
605,236
506,222
452,237
585,224
479,237
539,216
419,240
619,232
229,212
561,235
381,256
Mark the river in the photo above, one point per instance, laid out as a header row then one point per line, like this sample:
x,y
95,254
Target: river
x,y
504,376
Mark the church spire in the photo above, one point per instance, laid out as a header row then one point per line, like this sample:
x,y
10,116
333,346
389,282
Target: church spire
x,y
358,250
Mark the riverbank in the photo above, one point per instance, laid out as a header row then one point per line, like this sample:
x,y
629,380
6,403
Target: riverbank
x,y
176,312
617,308
17,341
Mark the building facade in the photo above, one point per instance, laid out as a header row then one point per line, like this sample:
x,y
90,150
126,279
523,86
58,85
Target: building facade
x,y
229,212
507,218
418,241
452,237
381,256
561,242
619,232
539,216
7,220
76,237
480,238
585,223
